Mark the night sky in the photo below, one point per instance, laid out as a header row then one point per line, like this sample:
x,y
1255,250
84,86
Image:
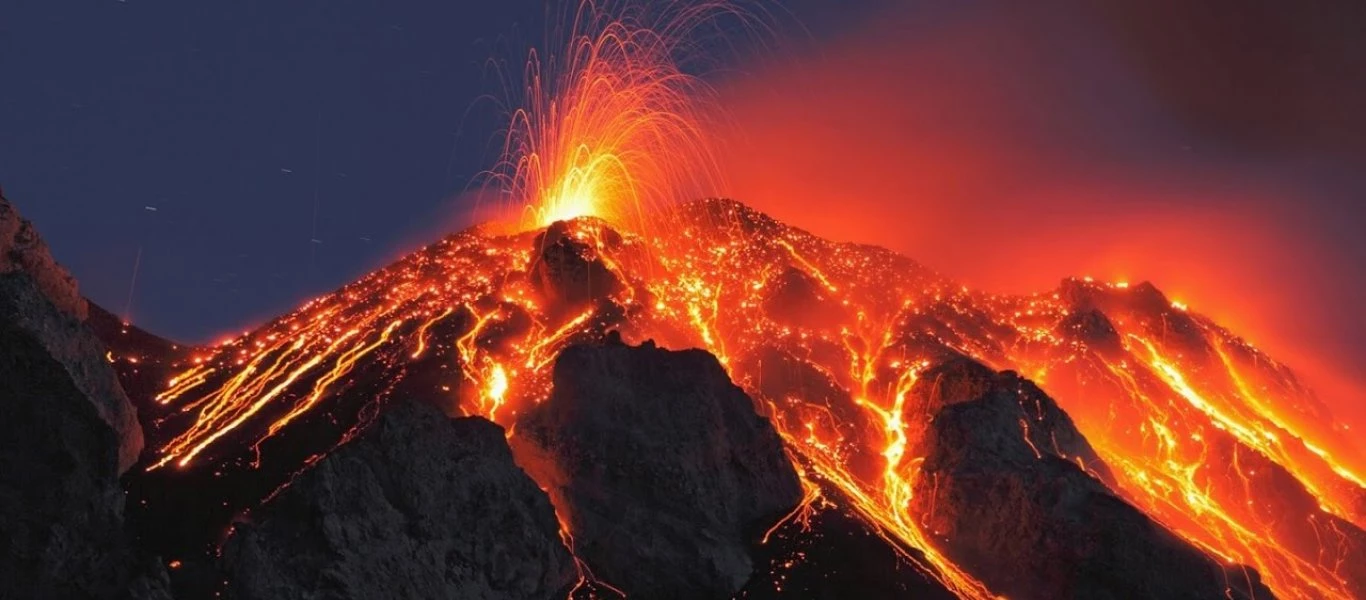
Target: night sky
x,y
1007,146
234,120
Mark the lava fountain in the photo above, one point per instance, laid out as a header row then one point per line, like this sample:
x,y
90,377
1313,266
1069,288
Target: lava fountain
x,y
612,127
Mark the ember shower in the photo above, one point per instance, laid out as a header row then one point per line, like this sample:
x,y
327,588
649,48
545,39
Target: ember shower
x,y
606,165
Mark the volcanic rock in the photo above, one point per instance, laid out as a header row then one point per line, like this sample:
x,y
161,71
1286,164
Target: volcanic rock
x,y
1002,487
66,432
23,251
144,362
567,268
24,307
796,298
661,467
834,555
418,506
1142,303
1091,327
41,297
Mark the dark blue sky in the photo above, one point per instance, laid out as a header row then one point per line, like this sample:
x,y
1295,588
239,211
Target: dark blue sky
x,y
232,119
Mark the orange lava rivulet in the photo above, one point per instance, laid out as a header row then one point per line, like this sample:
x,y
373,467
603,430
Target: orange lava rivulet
x,y
1200,430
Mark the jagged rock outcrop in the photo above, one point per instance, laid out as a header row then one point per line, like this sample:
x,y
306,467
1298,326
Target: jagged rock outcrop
x,y
796,298
40,297
660,465
418,506
1091,327
568,270
61,506
1003,487
23,251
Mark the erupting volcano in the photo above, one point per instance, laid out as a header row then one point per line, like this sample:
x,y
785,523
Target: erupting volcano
x,y
979,437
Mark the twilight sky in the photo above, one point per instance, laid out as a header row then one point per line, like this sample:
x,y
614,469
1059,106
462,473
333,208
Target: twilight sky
x,y
1217,148
233,120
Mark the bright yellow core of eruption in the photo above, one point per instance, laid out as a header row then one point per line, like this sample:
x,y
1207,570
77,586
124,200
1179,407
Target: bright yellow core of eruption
x,y
612,128
576,201
582,190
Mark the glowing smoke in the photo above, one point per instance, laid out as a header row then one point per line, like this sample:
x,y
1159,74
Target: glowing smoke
x,y
1011,146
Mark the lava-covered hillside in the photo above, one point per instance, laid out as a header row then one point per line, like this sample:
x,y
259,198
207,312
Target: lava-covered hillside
x,y
1163,421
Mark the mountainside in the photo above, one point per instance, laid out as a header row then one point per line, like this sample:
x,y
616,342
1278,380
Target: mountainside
x,y
1148,439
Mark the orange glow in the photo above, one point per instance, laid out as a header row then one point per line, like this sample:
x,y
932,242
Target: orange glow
x,y
964,141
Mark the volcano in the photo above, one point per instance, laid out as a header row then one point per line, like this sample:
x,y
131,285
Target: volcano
x,y
727,406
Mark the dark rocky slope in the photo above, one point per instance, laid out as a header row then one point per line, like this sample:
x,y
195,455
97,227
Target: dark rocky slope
x,y
41,298
1004,487
67,431
665,473
418,506
22,250
61,507
834,555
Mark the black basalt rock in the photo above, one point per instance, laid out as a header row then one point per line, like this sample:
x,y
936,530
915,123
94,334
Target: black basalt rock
x,y
661,466
61,507
567,269
418,506
42,298
1014,493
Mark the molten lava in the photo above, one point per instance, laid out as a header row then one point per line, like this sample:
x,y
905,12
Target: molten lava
x,y
1202,431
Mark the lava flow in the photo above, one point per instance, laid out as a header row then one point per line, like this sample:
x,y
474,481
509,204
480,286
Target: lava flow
x,y
1200,430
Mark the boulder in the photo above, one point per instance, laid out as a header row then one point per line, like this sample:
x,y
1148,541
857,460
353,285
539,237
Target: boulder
x,y
40,296
418,506
567,268
661,467
1014,492
23,251
64,339
61,506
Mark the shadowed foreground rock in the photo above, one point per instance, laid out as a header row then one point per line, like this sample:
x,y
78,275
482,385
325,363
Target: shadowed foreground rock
x,y
661,466
41,297
419,506
22,250
568,271
61,507
1002,486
